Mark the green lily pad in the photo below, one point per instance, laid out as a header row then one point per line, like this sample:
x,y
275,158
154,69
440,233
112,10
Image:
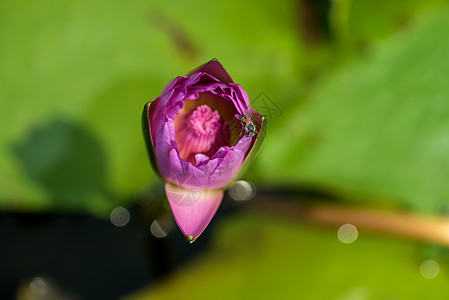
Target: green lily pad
x,y
377,127
257,257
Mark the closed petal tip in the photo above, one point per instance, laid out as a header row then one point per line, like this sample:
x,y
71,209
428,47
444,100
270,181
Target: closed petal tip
x,y
191,239
193,209
214,68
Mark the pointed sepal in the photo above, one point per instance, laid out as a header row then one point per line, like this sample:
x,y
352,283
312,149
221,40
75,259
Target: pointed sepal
x,y
146,127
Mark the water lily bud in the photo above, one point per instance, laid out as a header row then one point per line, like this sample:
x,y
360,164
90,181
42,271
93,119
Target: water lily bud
x,y
200,132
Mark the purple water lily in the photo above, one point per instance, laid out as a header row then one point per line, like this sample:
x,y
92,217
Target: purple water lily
x,y
198,142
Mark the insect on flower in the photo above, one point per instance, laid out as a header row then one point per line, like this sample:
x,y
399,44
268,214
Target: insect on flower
x,y
248,125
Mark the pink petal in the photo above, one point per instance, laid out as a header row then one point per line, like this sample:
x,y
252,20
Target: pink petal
x,y
193,208
215,69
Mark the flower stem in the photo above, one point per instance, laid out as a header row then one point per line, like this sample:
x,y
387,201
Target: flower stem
x,y
425,228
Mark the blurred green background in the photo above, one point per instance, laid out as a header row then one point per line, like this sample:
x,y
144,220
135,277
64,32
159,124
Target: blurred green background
x,y
355,91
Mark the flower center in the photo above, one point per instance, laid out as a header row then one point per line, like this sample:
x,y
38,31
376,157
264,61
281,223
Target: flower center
x,y
204,121
201,131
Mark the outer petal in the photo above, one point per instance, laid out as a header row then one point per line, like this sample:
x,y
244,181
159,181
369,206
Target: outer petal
x,y
261,125
193,209
214,68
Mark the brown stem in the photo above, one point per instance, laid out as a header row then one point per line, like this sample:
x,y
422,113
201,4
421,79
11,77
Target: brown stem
x,y
413,226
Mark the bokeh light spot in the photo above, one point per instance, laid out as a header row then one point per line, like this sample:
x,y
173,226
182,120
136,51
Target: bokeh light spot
x,y
159,229
120,216
347,233
429,269
242,191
